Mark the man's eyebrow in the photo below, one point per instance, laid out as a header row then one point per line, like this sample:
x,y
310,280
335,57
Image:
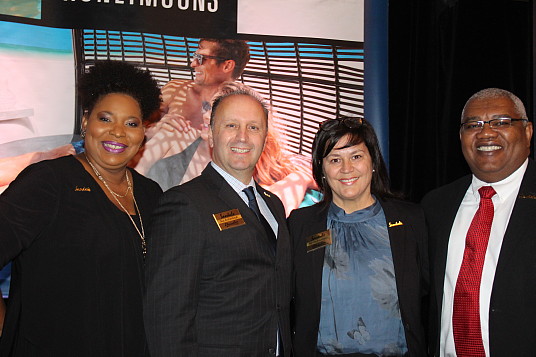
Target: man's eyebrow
x,y
495,116
471,118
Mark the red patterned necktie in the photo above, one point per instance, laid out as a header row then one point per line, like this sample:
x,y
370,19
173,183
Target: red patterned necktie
x,y
466,314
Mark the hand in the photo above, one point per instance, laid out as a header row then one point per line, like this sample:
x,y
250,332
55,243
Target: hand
x,y
169,122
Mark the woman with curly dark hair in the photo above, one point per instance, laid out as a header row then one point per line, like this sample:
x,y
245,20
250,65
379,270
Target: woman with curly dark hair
x,y
75,230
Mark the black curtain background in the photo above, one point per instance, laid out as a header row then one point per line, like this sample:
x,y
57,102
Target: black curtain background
x,y
440,53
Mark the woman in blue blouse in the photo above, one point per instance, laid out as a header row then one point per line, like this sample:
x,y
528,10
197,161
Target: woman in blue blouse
x,y
360,255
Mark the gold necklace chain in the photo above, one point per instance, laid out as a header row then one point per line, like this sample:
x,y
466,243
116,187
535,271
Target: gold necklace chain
x,y
129,184
115,195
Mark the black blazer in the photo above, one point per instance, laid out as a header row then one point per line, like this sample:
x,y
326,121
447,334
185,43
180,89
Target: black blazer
x,y
409,248
77,275
512,313
211,292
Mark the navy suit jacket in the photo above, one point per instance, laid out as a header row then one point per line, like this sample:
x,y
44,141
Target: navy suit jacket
x,y
409,249
210,292
512,313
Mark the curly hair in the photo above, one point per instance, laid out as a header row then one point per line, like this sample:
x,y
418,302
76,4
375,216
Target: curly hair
x,y
107,77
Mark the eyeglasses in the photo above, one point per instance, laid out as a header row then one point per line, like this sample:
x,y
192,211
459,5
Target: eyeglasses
x,y
349,122
200,58
495,124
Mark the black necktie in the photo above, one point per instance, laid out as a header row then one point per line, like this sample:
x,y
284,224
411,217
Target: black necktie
x,y
252,203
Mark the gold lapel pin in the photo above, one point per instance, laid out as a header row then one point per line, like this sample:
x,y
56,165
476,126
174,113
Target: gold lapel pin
x,y
86,189
399,223
532,197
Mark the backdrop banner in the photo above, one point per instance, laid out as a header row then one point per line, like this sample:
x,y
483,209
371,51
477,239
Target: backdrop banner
x,y
308,69
212,18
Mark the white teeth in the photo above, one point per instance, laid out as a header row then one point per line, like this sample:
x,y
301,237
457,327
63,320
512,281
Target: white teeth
x,y
240,151
489,148
115,147
349,180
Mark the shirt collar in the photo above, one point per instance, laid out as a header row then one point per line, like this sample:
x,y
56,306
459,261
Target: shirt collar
x,y
505,187
236,184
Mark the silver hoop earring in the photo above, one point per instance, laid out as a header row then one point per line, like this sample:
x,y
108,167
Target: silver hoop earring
x,y
83,134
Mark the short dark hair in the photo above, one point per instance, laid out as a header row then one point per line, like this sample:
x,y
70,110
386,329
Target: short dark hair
x,y
325,140
242,90
493,93
236,50
106,77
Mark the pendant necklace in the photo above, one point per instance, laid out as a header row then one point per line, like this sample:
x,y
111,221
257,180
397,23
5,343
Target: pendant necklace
x,y
116,195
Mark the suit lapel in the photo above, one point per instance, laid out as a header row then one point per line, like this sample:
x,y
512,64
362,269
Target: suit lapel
x,y
317,263
277,212
397,231
227,194
267,197
317,257
521,220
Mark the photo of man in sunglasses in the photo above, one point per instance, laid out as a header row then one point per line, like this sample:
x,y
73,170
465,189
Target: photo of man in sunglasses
x,y
175,146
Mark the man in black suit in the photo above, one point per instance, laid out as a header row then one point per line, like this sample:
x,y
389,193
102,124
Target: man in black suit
x,y
218,273
493,306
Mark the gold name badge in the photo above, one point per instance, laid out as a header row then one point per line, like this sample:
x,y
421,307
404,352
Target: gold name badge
x,y
228,219
318,240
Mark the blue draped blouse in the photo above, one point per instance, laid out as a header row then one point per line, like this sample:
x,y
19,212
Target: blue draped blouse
x,y
359,309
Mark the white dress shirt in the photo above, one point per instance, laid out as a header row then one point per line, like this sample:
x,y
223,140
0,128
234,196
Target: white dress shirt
x,y
503,203
238,186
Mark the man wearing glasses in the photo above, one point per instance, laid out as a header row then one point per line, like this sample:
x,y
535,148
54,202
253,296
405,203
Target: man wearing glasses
x,y
177,149
482,231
